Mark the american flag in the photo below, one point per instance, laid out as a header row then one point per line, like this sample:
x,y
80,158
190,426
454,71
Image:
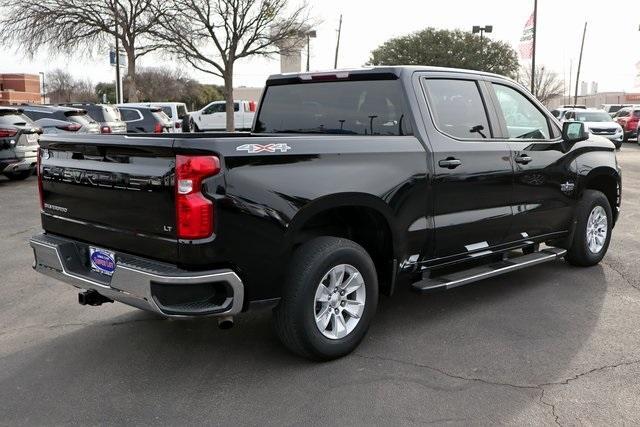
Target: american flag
x,y
526,41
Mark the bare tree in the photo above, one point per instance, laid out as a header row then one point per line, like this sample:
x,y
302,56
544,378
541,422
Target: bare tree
x,y
66,26
548,84
62,87
211,35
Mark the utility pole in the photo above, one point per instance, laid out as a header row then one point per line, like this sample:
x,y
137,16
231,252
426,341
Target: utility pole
x,y
584,33
44,89
335,63
568,101
533,47
118,82
310,35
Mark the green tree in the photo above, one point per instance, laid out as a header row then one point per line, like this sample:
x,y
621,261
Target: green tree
x,y
108,89
446,48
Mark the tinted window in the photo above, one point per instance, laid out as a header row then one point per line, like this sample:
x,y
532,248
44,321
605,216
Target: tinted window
x,y
457,108
636,113
167,111
215,108
36,115
349,107
9,117
623,113
523,119
129,115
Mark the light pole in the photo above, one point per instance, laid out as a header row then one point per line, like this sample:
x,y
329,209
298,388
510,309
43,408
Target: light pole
x,y
478,29
310,35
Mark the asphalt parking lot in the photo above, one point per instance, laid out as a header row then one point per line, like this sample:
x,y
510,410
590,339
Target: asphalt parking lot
x,y
553,344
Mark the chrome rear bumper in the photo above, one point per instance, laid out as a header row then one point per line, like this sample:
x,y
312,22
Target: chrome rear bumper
x,y
140,282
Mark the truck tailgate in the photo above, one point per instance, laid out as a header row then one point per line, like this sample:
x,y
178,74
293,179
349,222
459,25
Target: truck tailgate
x,y
114,191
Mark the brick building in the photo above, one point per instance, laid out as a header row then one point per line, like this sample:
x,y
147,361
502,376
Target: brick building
x,y
19,89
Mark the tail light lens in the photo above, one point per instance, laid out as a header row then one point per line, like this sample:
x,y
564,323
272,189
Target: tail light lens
x,y
252,106
71,127
39,171
158,128
178,125
7,133
105,129
194,212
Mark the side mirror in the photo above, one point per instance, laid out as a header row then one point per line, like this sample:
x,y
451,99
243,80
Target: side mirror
x,y
573,132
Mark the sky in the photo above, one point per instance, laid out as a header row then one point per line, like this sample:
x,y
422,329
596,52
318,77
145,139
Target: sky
x,y
610,54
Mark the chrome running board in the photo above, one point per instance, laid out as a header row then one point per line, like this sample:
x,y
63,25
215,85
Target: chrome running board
x,y
464,277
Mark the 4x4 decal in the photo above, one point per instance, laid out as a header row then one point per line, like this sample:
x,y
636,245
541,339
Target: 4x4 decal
x,y
268,148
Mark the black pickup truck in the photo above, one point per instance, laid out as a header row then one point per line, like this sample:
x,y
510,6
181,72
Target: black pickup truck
x,y
352,183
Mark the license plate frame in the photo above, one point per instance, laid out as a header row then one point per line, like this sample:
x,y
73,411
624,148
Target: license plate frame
x,y
102,261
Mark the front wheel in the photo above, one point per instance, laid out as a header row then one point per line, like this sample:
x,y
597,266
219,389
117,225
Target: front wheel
x,y
593,230
329,298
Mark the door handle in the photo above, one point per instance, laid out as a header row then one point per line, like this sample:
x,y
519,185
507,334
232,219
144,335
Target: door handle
x,y
450,163
523,159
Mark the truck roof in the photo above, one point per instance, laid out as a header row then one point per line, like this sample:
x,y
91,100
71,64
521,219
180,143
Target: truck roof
x,y
380,71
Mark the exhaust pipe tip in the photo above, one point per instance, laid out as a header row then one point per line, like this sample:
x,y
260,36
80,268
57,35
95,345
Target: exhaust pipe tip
x,y
225,322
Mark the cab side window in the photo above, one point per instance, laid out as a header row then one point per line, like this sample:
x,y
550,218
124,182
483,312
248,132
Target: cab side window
x,y
215,108
457,108
523,119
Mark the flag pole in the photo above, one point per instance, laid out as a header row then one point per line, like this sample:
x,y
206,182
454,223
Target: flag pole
x,y
533,50
584,33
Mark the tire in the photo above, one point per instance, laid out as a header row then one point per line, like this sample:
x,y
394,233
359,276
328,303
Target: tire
x,y
581,253
19,176
300,306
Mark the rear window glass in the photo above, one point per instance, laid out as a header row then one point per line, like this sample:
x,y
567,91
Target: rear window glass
x,y
110,114
14,118
182,111
636,113
80,117
161,116
129,115
374,107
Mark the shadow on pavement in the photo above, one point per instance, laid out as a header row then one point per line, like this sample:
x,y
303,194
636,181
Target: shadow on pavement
x,y
522,329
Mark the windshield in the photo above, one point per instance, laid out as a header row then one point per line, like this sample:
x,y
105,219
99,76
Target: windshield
x,y
14,118
372,107
594,116
80,117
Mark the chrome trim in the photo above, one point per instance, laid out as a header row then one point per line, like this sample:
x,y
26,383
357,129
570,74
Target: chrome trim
x,y
130,285
476,246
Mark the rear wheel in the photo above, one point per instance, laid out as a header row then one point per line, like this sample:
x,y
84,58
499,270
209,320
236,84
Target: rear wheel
x,y
593,230
329,298
19,176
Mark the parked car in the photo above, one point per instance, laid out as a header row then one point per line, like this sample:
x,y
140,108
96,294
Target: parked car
x,y
107,116
213,117
612,109
176,111
353,183
18,143
559,113
145,119
628,118
598,122
53,119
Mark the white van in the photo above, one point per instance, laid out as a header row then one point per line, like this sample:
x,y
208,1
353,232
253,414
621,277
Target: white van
x,y
213,116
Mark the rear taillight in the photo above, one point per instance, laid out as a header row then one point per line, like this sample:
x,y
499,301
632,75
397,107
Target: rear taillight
x,y
7,133
71,127
194,212
252,106
158,128
178,125
105,129
39,171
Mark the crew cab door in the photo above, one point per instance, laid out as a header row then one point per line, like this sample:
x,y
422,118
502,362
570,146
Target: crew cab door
x,y
212,116
544,177
472,179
